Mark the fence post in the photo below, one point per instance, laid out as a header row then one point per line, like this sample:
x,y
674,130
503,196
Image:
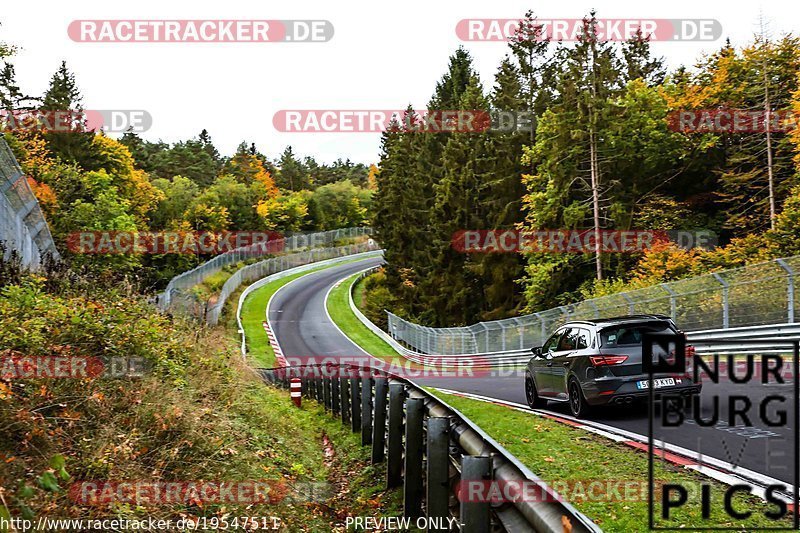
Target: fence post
x,y
673,308
366,410
475,515
394,469
521,330
438,474
344,397
326,391
379,423
355,408
789,289
725,303
631,304
303,386
319,387
412,488
335,405
544,329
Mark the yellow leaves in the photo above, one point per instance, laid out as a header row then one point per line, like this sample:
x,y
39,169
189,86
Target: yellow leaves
x,y
372,177
549,459
265,179
5,391
37,159
45,195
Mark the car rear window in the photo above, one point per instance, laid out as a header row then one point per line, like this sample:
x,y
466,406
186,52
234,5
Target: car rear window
x,y
631,334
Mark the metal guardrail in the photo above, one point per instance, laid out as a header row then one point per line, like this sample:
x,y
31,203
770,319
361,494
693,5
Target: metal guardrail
x,y
212,312
22,225
753,295
179,287
430,448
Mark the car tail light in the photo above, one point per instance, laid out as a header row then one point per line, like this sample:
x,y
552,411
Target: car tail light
x,y
607,360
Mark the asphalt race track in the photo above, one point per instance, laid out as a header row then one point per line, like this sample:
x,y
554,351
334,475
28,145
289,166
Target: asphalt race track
x,y
302,326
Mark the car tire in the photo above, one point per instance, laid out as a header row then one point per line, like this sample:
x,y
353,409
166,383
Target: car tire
x,y
577,402
531,396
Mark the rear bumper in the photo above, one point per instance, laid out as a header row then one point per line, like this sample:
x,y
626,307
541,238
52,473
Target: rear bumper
x,y
620,391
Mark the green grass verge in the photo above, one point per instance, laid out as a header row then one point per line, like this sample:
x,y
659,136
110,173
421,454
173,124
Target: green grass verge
x,y
254,314
338,305
558,452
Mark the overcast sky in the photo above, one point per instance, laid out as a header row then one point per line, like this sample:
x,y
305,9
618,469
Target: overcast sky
x,y
384,55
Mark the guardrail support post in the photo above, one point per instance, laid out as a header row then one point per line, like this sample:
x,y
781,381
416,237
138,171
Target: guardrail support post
x,y
394,469
475,515
326,390
438,459
379,424
355,408
342,398
335,405
366,410
319,386
412,488
789,289
303,385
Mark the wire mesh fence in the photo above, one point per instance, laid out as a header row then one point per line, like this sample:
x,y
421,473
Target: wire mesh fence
x,y
23,228
185,302
180,286
758,294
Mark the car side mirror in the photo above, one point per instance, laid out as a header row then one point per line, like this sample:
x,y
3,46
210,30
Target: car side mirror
x,y
537,351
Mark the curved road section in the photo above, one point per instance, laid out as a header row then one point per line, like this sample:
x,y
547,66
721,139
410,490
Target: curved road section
x,y
298,316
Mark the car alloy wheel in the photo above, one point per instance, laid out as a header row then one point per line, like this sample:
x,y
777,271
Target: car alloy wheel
x,y
531,396
577,403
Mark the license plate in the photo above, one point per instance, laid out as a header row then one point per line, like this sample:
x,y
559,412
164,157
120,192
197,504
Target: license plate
x,y
658,383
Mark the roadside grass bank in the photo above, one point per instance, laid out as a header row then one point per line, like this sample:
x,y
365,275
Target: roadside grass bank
x,y
338,305
197,412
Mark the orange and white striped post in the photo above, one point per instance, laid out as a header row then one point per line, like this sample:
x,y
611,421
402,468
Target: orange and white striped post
x,y
295,391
